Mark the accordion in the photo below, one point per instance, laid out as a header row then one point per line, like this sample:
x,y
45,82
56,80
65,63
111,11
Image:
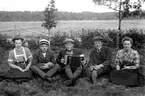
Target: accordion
x,y
74,60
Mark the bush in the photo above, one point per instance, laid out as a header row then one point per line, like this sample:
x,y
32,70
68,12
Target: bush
x,y
86,36
137,35
4,43
33,44
110,37
57,40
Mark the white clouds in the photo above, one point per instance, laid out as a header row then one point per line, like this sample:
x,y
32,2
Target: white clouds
x,y
61,5
79,5
22,5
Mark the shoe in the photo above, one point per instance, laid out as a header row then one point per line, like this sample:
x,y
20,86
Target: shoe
x,y
49,79
56,78
68,82
46,78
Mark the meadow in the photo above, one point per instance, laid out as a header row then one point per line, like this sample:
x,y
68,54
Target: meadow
x,y
34,28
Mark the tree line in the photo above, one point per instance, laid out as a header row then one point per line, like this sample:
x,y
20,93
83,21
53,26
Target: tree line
x,y
39,16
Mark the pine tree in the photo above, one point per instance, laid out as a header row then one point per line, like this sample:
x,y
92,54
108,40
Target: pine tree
x,y
49,13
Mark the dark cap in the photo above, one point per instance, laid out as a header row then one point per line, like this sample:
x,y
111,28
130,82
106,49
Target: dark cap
x,y
17,37
127,39
68,40
98,38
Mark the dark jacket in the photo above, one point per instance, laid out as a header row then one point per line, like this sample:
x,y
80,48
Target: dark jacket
x,y
39,59
62,53
102,57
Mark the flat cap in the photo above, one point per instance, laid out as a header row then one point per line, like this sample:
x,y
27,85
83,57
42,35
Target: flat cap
x,y
17,37
98,38
68,40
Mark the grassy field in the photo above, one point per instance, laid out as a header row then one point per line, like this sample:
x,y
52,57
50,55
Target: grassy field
x,y
34,28
37,87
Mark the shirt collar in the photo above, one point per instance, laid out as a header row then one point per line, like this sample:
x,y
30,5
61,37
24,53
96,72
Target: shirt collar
x,y
98,49
19,48
124,51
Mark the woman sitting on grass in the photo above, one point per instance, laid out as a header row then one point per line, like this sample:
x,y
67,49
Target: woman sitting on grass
x,y
127,66
19,60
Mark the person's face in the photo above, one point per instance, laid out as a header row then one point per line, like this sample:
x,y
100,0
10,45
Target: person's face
x,y
98,44
127,44
69,46
44,47
18,43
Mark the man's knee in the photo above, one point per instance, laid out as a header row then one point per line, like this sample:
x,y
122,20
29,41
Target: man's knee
x,y
79,68
34,67
94,73
86,72
57,66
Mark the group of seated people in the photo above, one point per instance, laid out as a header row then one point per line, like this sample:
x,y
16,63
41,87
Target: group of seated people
x,y
72,63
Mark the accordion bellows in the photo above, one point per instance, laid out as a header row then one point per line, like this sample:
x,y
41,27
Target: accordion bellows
x,y
74,61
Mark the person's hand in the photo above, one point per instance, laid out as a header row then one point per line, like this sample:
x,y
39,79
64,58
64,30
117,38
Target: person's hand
x,y
49,64
26,69
99,66
92,67
44,66
21,69
83,62
127,67
117,67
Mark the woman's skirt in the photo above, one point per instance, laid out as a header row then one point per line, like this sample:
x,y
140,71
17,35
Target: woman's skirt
x,y
16,74
129,77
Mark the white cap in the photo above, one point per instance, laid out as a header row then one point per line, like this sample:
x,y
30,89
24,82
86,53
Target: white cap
x,y
44,41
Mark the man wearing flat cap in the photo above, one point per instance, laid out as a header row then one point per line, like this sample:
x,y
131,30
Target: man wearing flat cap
x,y
71,72
43,63
99,59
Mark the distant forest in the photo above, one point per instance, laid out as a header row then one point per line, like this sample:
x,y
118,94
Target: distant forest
x,y
39,16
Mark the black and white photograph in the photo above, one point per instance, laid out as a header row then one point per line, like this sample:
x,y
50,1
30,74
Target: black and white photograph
x,y
72,48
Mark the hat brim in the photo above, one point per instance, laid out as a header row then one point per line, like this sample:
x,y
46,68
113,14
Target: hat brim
x,y
44,43
17,39
69,42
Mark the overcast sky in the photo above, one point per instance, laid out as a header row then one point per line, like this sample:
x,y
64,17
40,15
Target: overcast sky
x,y
61,5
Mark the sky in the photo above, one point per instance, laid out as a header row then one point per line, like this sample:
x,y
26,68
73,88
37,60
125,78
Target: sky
x,y
61,5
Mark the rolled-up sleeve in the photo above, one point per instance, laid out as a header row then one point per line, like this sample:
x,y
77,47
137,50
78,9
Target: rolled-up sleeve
x,y
11,57
118,57
136,58
28,53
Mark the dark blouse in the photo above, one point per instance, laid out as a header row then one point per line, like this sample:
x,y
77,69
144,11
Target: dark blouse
x,y
101,57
